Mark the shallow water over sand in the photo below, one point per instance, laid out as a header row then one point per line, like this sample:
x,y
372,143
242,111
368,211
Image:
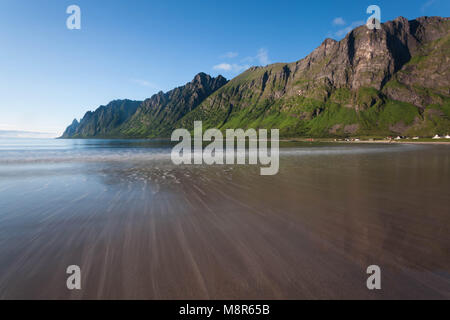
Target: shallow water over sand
x,y
140,227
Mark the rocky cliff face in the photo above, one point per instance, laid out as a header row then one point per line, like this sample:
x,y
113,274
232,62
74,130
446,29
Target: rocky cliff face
x,y
369,58
425,79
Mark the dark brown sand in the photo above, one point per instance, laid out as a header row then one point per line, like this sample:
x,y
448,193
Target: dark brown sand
x,y
154,231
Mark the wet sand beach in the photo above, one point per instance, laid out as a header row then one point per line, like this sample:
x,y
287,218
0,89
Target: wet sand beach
x,y
140,227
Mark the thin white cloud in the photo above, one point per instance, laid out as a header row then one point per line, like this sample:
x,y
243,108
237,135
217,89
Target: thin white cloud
x,y
145,83
427,4
248,59
229,55
263,56
353,25
223,66
339,21
232,68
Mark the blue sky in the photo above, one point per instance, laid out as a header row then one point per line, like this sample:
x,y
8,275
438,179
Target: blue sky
x,y
50,75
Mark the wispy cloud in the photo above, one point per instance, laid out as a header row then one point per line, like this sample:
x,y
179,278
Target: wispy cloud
x,y
232,68
344,31
229,55
262,57
339,21
145,83
427,4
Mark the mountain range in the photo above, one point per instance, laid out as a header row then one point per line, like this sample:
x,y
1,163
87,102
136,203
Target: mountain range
x,y
394,80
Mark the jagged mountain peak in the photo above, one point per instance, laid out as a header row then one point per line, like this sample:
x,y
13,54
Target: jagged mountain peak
x,y
328,41
201,76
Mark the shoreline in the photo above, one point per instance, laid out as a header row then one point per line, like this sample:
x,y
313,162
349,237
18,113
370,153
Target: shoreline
x,y
400,142
311,140
446,142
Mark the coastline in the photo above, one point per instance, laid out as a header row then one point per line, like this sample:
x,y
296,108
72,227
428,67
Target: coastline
x,y
445,142
401,142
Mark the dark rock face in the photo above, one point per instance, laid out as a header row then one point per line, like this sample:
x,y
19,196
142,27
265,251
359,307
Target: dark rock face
x,y
71,130
104,121
425,78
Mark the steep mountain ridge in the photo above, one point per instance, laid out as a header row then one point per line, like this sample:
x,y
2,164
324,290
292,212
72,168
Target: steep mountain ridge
x,y
102,121
152,117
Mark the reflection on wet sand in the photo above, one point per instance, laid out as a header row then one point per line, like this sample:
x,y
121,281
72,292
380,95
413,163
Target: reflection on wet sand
x,y
152,230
